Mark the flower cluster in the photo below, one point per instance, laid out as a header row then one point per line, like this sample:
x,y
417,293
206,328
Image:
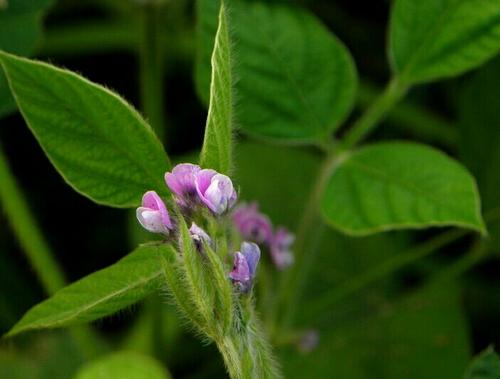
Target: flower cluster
x,y
255,226
195,189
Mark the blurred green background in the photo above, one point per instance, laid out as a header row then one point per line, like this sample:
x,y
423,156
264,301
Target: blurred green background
x,y
425,320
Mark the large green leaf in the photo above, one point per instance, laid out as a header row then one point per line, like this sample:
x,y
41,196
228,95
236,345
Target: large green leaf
x,y
123,365
431,39
485,366
216,152
100,144
400,185
296,80
480,136
99,294
20,29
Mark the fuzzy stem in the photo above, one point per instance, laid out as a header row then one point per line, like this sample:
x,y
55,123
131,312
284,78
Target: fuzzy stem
x,y
230,354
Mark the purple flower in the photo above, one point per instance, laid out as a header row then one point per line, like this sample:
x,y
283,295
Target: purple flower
x,y
215,190
281,253
252,224
199,236
182,182
245,265
153,214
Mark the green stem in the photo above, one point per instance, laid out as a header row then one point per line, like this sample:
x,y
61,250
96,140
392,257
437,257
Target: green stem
x,y
308,236
394,91
369,277
38,252
27,231
412,118
229,351
151,68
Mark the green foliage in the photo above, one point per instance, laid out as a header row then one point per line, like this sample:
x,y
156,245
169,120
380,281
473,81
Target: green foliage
x,y
480,136
20,30
216,152
123,365
431,39
296,81
99,144
400,185
485,366
422,336
99,294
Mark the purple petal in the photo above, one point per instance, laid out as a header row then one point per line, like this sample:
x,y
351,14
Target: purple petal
x,y
251,252
181,180
252,224
218,195
281,253
241,271
203,180
151,220
152,201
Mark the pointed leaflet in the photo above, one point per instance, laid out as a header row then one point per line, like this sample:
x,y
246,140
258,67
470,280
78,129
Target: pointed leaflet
x,y
485,366
432,39
99,294
400,185
296,81
99,144
123,365
216,151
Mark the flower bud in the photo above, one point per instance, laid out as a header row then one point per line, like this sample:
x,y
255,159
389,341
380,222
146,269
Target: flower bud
x,y
153,214
199,236
280,246
215,190
245,265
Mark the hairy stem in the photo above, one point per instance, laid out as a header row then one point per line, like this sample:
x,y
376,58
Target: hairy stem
x,y
394,91
27,231
151,68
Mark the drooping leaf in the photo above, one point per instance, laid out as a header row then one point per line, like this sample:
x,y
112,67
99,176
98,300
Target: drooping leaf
x,y
400,185
216,152
99,294
20,29
296,80
479,128
99,144
124,365
432,39
485,366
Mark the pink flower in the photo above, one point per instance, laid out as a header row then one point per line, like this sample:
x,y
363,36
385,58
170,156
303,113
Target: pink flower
x,y
153,214
280,247
245,265
215,190
252,224
181,182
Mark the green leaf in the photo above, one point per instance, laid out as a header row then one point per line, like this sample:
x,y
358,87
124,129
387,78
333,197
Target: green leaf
x,y
432,39
124,365
216,152
20,30
99,294
485,366
99,144
400,185
296,80
480,137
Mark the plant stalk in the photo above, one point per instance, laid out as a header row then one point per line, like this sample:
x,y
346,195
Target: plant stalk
x,y
394,91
